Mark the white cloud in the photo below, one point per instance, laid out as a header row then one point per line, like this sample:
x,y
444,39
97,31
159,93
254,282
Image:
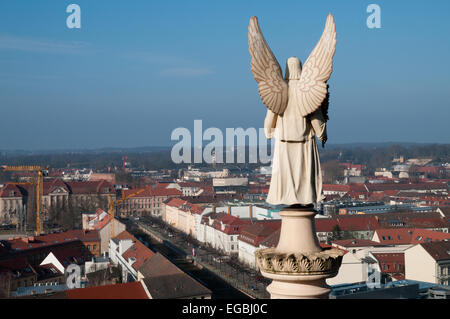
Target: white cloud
x,y
10,42
154,58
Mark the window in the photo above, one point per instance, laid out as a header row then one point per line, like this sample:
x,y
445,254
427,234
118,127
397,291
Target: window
x,y
95,247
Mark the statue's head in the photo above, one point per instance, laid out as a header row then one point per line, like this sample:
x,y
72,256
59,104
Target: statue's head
x,y
293,69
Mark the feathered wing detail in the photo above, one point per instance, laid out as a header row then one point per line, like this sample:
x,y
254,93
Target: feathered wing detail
x,y
267,72
312,88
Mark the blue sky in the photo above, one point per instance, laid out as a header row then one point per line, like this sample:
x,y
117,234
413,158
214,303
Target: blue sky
x,y
136,70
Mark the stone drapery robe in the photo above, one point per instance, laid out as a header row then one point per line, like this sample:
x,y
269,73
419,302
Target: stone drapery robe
x,y
296,173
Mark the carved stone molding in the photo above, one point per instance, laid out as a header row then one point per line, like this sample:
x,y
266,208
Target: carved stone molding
x,y
324,262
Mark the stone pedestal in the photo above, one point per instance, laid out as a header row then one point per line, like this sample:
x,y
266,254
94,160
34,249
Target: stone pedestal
x,y
298,265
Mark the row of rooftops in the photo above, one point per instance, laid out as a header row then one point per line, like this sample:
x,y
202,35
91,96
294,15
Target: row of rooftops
x,y
161,277
150,191
14,244
380,187
185,206
73,188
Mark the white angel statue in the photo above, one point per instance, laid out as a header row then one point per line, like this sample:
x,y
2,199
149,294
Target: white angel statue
x,y
297,112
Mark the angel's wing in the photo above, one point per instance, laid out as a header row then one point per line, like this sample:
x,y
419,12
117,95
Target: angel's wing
x,y
312,88
267,72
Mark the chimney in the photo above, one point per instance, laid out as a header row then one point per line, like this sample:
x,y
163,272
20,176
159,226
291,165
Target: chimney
x,y
229,210
250,211
213,208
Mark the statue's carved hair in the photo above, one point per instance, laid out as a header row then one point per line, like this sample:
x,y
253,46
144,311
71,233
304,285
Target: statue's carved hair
x,y
287,73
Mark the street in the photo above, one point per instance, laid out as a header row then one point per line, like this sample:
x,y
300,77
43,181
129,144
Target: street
x,y
177,246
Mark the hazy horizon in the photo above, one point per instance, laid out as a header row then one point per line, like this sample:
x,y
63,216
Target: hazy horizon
x,y
168,147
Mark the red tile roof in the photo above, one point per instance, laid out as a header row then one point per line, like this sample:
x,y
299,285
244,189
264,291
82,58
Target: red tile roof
x,y
10,190
336,187
390,257
14,264
357,187
429,169
100,223
52,239
91,187
69,256
380,187
351,223
272,241
130,290
438,250
350,166
152,192
232,224
445,211
166,192
192,184
185,206
391,263
404,236
51,185
138,250
331,197
350,243
254,234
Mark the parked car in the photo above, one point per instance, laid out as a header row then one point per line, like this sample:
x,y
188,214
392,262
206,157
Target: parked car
x,y
221,258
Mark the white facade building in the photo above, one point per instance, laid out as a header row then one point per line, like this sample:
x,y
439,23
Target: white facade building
x,y
429,262
117,248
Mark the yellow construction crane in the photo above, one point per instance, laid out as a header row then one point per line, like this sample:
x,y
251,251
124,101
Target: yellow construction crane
x,y
39,182
113,204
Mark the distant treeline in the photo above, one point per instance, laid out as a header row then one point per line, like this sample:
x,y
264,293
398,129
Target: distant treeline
x,y
371,155
97,161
